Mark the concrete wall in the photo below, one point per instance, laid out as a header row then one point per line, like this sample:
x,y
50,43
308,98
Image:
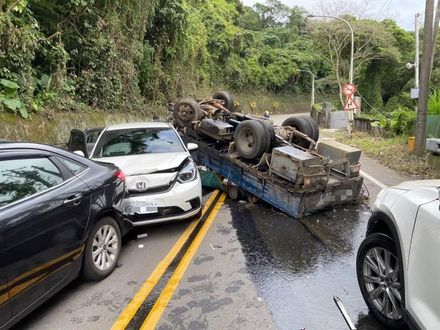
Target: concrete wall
x,y
56,130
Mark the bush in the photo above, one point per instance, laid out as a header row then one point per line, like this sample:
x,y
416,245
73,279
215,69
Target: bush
x,y
434,103
403,121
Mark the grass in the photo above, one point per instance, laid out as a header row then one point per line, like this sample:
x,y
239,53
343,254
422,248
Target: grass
x,y
391,152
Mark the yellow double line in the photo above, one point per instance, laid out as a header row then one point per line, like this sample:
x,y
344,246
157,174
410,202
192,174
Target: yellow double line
x,y
159,307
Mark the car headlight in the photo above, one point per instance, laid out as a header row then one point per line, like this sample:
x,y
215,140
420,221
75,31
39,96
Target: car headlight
x,y
188,172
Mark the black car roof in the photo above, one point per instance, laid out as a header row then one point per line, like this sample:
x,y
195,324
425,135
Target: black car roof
x,y
25,146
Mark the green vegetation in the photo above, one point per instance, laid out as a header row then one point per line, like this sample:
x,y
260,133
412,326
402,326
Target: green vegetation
x,y
393,153
434,103
129,56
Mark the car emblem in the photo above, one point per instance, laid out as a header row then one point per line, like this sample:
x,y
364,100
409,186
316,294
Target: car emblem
x,y
141,185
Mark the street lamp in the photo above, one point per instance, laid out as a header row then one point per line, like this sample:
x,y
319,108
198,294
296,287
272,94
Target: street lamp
x,y
352,41
313,86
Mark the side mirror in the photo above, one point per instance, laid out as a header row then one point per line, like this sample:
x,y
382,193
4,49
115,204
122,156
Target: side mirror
x,y
192,146
79,152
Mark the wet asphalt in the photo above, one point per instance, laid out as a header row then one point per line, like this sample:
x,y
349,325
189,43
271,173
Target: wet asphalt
x,y
299,266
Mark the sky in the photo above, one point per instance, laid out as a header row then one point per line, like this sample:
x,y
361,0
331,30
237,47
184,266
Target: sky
x,y
402,11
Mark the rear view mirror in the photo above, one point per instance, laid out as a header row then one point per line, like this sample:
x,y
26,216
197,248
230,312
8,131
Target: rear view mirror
x,y
79,152
192,146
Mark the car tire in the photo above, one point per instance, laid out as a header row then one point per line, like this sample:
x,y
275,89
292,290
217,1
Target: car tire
x,y
315,127
186,111
105,235
378,288
227,98
251,139
302,125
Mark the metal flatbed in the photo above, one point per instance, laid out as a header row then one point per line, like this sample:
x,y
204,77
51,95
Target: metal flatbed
x,y
274,190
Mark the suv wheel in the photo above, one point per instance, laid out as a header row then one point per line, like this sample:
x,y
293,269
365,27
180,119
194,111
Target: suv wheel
x,y
379,277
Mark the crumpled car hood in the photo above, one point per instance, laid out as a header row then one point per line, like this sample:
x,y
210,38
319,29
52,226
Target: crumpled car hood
x,y
146,163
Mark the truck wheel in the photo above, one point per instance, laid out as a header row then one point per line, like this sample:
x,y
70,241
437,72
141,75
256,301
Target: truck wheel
x,y
185,111
225,97
302,125
270,132
251,139
315,127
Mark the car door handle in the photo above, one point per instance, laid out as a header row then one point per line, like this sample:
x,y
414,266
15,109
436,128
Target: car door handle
x,y
73,200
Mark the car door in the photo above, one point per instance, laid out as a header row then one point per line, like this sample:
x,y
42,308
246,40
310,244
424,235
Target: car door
x,y
5,310
423,296
78,142
44,210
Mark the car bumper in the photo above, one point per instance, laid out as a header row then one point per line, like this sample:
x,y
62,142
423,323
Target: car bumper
x,y
181,201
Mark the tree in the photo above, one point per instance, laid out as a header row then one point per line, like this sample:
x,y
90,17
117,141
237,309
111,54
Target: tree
x,y
355,8
372,42
273,13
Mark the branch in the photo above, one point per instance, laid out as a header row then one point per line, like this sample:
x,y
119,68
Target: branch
x,y
13,5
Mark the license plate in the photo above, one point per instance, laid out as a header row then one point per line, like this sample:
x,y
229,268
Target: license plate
x,y
145,207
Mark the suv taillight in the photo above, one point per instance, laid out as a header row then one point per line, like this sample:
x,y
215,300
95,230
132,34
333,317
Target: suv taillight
x,y
120,175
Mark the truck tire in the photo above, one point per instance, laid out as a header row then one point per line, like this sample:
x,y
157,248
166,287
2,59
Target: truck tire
x,y
315,127
225,97
251,139
185,111
270,132
302,125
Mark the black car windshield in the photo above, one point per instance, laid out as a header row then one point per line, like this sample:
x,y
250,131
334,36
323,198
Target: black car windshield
x,y
137,141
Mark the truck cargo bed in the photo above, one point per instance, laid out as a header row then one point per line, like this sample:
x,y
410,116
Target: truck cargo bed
x,y
278,192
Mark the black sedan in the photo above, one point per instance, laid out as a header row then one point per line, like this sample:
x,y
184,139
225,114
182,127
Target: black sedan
x,y
59,217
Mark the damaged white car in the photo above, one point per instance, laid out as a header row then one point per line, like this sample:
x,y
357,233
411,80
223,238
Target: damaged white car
x,y
162,179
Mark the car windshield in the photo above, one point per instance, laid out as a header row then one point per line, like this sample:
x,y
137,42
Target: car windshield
x,y
137,141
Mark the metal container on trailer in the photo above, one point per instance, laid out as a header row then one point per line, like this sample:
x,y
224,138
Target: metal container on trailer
x,y
293,164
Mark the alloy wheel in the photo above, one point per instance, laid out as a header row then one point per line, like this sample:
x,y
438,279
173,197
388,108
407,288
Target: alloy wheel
x,y
105,247
380,271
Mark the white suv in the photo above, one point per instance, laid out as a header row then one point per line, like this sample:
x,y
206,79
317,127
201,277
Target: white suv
x,y
398,263
162,179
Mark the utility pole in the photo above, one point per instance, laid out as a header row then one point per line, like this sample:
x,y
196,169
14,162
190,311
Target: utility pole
x,y
429,39
417,60
312,97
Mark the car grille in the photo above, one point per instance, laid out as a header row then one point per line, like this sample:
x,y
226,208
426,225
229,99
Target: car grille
x,y
155,190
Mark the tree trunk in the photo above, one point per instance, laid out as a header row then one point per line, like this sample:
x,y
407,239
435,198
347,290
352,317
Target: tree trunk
x,y
338,79
424,79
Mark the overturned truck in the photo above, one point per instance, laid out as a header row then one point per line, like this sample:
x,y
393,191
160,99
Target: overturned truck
x,y
283,165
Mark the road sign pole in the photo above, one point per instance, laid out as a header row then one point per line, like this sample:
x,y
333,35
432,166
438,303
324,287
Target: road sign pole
x,y
350,105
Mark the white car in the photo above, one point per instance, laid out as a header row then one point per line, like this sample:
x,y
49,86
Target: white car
x,y
398,263
161,177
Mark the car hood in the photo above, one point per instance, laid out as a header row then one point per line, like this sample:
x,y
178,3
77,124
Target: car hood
x,y
146,163
428,184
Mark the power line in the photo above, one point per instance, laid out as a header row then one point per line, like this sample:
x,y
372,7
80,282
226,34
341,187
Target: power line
x,y
385,7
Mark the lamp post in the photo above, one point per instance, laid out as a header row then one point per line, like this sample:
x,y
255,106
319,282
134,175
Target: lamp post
x,y
312,101
352,42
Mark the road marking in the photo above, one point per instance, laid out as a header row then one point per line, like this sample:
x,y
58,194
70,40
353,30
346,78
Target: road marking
x,y
128,313
164,298
369,177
